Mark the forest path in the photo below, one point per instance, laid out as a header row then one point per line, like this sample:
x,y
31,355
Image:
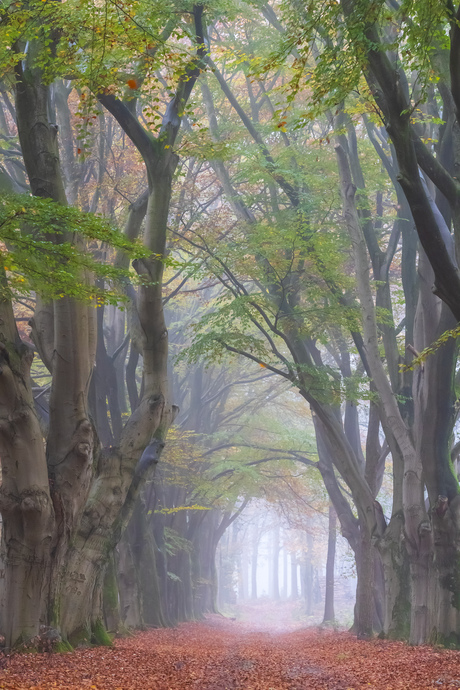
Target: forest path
x,y
221,654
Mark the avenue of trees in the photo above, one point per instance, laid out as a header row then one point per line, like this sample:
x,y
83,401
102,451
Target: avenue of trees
x,y
229,241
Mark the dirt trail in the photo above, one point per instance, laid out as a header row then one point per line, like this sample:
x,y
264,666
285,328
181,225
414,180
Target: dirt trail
x,y
221,654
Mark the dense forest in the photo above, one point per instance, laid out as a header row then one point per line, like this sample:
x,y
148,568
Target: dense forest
x,y
229,312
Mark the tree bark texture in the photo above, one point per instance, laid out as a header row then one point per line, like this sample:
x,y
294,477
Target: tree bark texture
x,y
64,509
329,613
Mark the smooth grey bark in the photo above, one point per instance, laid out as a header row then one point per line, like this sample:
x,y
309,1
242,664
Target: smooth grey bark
x,y
111,602
26,505
275,545
307,576
294,578
329,613
387,83
243,575
390,544
128,585
254,560
395,428
435,414
25,501
347,458
138,581
285,573
93,491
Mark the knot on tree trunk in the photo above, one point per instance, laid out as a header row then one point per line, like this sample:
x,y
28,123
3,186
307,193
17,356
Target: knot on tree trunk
x,y
83,449
156,401
33,499
425,538
350,192
441,506
455,510
8,500
83,440
4,354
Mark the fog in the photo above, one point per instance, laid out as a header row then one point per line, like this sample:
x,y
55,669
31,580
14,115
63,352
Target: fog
x,y
273,575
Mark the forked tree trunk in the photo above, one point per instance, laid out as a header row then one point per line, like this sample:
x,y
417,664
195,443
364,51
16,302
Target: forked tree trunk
x,y
25,501
56,546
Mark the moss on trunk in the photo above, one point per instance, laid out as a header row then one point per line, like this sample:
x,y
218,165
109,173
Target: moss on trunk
x,y
100,635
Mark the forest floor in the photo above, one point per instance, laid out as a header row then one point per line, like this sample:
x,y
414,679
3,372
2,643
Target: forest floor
x,y
265,649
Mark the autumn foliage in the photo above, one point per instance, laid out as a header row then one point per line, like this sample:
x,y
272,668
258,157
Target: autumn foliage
x,y
222,654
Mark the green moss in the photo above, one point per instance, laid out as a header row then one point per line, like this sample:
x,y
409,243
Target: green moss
x,y
401,614
451,582
85,636
55,612
111,590
122,631
400,628
25,645
450,641
80,637
100,635
62,647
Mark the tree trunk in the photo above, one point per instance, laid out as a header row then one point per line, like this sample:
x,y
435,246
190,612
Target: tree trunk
x,y
242,570
254,561
128,585
379,594
365,588
285,573
144,550
329,614
434,569
294,579
395,563
275,585
93,491
111,602
25,501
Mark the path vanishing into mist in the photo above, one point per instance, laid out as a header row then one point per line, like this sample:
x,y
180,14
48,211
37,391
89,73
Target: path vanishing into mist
x,y
268,652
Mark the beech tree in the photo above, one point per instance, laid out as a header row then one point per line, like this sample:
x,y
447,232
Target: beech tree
x,y
404,60
65,502
310,233
358,42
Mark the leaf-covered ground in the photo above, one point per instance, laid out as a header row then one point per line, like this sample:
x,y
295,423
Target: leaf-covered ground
x,y
221,654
